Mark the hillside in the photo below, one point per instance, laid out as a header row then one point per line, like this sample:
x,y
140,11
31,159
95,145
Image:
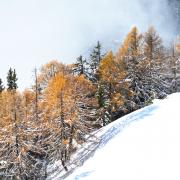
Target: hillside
x,y
85,89
142,145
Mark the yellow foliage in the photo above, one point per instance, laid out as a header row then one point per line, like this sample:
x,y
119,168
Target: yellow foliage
x,y
55,87
130,45
28,96
178,47
50,70
107,67
65,141
110,70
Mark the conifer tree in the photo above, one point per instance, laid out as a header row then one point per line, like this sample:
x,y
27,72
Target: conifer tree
x,y
16,142
113,88
12,80
1,86
49,71
131,53
36,96
71,114
95,58
80,67
94,63
14,77
23,158
173,69
1,99
154,59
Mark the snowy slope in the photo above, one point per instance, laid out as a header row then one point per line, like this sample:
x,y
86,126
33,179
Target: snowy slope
x,y
144,145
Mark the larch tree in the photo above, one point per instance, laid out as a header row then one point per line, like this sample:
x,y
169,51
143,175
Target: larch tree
x,y
49,70
16,137
28,98
67,100
56,100
83,106
11,134
154,62
114,88
1,102
131,54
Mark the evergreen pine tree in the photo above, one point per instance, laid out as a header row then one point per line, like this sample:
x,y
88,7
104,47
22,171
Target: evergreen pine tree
x,y
80,66
14,77
95,58
1,86
12,80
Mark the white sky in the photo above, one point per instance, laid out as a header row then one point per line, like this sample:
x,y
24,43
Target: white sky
x,y
33,32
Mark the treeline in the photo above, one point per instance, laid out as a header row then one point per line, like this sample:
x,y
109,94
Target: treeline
x,y
49,121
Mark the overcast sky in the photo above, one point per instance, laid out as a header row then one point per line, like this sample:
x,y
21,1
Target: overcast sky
x,y
33,32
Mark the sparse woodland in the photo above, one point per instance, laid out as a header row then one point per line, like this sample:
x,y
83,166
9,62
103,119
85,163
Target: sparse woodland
x,y
48,122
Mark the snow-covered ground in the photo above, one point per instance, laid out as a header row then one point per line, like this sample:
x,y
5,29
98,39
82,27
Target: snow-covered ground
x,y
144,145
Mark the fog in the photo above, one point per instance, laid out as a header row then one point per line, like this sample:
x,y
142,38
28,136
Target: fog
x,y
35,32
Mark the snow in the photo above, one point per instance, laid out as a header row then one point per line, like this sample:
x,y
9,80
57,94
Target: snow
x,y
143,145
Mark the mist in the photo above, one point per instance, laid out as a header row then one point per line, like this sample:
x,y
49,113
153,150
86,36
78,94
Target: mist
x,y
35,32
110,21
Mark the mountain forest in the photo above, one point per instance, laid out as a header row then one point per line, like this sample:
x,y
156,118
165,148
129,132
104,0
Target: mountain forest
x,y
49,121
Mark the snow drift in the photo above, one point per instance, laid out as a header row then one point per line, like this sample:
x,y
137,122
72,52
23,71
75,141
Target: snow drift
x,y
148,149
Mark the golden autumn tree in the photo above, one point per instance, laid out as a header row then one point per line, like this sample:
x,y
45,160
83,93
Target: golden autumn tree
x,y
5,108
16,138
67,107
130,46
112,88
28,98
177,45
83,106
131,55
49,70
155,60
57,102
153,50
12,135
13,138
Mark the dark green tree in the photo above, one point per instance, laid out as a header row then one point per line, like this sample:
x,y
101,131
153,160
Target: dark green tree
x,y
1,86
95,58
12,80
15,80
80,66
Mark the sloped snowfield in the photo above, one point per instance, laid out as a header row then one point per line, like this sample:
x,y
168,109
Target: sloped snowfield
x,y
144,145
